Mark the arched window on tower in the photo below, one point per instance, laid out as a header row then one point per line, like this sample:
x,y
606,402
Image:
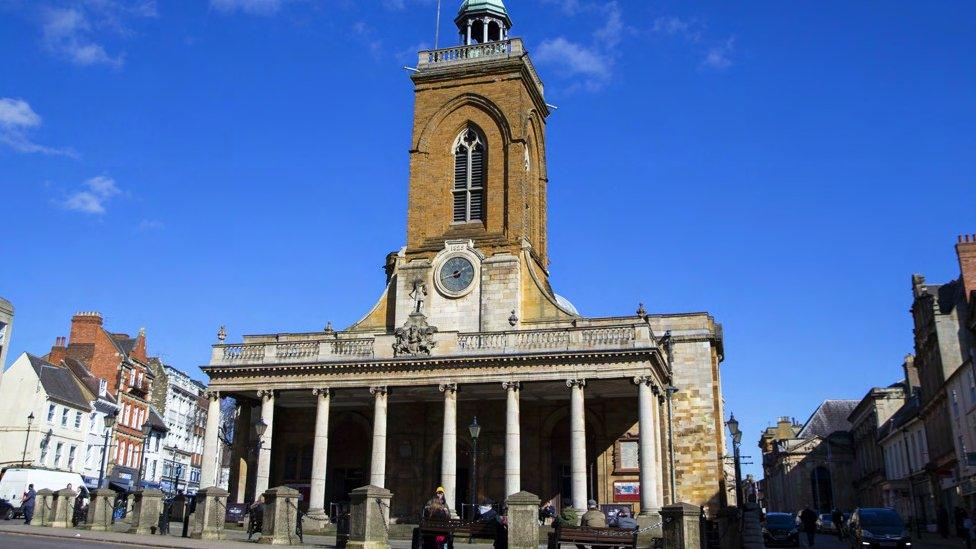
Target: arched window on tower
x,y
469,176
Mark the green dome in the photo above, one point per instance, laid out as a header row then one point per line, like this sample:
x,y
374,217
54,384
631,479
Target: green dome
x,y
483,7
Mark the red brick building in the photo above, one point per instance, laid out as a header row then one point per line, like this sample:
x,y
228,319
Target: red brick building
x,y
122,361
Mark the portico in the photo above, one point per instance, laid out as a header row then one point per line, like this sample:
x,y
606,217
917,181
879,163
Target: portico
x,y
549,428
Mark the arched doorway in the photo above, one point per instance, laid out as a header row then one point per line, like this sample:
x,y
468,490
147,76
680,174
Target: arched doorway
x,y
823,493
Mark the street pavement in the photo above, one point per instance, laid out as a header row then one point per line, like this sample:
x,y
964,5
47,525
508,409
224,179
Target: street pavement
x,y
931,541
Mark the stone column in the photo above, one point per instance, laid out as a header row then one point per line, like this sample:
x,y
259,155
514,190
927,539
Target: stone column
x,y
681,525
577,442
368,517
211,514
264,454
468,43
648,432
377,470
320,453
100,510
280,515
659,446
148,504
513,439
211,441
42,507
449,446
523,520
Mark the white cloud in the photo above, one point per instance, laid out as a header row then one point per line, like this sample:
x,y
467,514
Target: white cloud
x,y
151,225
573,58
66,31
93,196
17,119
720,57
613,30
251,7
690,29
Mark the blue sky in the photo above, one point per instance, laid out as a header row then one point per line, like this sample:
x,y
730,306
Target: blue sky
x,y
182,165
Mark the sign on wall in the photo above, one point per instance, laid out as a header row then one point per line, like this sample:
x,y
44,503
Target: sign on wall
x,y
626,490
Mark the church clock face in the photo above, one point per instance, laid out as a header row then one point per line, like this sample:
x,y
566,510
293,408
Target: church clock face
x,y
456,276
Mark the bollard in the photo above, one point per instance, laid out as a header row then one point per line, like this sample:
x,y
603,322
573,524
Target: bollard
x,y
145,510
62,509
523,520
280,517
210,514
682,525
368,517
42,507
100,510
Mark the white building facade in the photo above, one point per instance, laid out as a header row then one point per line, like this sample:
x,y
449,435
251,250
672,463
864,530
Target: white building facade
x,y
182,448
905,448
56,435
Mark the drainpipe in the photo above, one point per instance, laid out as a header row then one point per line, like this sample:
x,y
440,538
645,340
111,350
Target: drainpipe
x,y
670,391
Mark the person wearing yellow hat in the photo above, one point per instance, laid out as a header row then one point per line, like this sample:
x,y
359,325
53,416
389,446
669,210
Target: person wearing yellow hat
x,y
437,507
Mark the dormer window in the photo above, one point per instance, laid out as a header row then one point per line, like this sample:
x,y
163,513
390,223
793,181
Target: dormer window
x,y
469,176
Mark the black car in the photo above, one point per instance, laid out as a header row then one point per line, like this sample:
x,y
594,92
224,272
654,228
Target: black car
x,y
6,510
878,527
781,529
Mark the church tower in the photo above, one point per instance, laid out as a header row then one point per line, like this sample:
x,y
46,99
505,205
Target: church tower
x,y
477,161
476,253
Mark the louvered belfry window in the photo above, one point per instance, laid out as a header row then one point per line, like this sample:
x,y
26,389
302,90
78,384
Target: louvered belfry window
x,y
469,177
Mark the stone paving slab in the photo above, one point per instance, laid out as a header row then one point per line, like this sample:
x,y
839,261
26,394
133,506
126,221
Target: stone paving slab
x,y
235,538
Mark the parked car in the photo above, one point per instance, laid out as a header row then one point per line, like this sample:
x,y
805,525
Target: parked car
x,y
14,482
6,510
878,527
781,529
825,524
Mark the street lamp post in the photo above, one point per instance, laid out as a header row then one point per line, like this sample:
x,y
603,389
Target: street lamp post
x,y
109,421
474,429
733,425
146,429
23,457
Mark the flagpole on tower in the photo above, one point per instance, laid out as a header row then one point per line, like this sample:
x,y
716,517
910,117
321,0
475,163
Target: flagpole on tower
x,y
437,29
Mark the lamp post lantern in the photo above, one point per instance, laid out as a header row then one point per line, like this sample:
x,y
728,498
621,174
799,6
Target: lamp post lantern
x,y
23,457
733,426
474,430
109,422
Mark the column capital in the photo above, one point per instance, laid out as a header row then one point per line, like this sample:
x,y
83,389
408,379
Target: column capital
x,y
325,392
576,383
211,395
379,390
266,394
512,385
448,387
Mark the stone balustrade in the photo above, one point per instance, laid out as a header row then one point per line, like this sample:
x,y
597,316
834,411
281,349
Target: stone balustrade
x,y
457,55
344,349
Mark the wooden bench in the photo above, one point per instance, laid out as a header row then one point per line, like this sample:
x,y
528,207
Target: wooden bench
x,y
595,537
429,529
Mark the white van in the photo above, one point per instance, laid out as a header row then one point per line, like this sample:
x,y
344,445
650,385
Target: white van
x,y
14,482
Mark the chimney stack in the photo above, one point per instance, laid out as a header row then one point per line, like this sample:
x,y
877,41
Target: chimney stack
x,y
911,376
85,327
966,251
58,351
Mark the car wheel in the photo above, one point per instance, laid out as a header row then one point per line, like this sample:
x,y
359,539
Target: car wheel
x,y
8,514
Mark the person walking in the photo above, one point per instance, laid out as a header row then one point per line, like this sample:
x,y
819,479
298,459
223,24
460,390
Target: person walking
x,y
30,496
808,522
838,519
